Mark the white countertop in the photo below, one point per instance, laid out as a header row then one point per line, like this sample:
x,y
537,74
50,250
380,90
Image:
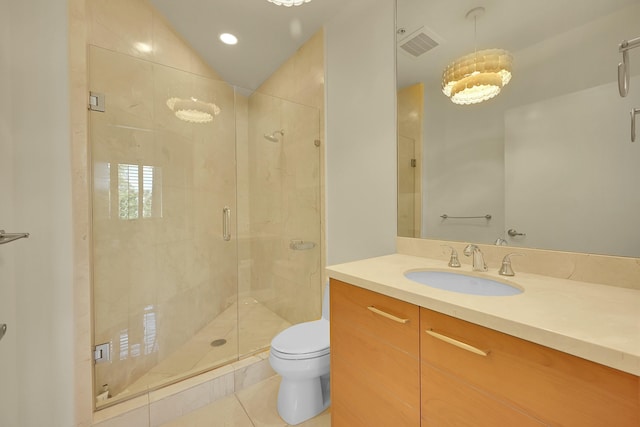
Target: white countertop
x,y
596,322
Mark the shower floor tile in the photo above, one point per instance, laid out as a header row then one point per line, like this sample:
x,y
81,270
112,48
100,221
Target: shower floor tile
x,y
256,327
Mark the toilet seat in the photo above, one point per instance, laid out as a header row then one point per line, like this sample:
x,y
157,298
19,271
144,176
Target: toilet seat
x,y
303,341
298,356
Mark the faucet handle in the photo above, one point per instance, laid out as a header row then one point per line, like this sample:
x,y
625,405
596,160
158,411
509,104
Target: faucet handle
x,y
505,269
453,261
501,242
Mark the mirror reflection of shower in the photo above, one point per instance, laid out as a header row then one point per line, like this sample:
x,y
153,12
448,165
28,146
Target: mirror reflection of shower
x,y
272,137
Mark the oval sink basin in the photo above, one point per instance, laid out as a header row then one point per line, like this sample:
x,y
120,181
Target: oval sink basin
x,y
462,283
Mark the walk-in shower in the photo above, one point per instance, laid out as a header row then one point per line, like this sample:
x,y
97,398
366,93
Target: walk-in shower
x,y
192,224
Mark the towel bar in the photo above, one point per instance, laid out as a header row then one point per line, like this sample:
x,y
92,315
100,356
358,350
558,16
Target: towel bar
x,y
10,237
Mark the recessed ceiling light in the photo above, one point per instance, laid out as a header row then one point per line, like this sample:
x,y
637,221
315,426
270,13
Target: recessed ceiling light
x,y
228,38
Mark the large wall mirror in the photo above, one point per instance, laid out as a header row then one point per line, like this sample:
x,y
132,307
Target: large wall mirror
x,y
546,163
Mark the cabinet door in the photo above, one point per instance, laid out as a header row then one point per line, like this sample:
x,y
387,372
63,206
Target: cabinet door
x,y
449,401
375,368
553,386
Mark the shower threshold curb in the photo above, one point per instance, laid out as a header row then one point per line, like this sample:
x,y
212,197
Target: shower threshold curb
x,y
175,400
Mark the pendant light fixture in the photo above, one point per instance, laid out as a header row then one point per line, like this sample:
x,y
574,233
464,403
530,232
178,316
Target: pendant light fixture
x,y
478,76
289,3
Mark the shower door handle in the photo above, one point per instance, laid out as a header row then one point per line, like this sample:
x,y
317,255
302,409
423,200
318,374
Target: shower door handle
x,y
226,223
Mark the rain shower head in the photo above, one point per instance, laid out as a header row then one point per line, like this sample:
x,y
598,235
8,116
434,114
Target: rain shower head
x,y
272,137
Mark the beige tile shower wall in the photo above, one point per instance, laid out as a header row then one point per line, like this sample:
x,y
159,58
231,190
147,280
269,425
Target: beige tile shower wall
x,y
285,207
135,28
286,185
623,272
301,78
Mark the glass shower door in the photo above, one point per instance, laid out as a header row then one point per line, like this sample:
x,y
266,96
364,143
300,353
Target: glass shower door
x,y
164,196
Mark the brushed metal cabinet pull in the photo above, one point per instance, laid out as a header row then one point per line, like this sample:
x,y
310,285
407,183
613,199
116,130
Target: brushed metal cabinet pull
x,y
457,343
387,315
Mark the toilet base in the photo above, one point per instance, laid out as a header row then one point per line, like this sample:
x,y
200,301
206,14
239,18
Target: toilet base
x,y
300,400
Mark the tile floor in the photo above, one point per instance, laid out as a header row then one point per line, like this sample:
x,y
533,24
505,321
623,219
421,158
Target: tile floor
x,y
254,406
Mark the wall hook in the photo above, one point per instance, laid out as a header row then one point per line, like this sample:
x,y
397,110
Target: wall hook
x,y
623,67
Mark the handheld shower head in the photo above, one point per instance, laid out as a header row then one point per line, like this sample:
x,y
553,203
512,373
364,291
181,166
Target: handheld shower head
x,y
272,137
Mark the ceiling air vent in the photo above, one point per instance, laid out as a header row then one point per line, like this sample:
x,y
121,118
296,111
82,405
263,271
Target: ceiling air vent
x,y
419,42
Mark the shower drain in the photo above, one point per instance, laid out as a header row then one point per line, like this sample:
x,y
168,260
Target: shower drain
x,y
218,342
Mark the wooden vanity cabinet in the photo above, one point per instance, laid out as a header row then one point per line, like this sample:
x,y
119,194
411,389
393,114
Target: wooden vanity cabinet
x,y
517,382
375,360
394,364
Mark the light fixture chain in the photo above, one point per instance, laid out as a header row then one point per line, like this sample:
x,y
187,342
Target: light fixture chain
x,y
475,34
475,42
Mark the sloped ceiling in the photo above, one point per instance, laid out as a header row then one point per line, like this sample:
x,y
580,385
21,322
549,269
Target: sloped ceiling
x,y
268,34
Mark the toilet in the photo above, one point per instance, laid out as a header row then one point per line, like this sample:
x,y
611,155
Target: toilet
x,y
300,355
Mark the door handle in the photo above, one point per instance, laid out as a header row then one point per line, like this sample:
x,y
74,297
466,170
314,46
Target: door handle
x,y
226,223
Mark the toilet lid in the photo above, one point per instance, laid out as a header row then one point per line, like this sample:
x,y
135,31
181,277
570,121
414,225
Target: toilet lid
x,y
303,338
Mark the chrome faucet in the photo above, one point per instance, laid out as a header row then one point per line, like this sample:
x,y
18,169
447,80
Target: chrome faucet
x,y
478,259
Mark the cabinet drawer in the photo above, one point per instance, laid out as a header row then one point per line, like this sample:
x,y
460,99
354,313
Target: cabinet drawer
x,y
448,401
553,386
388,319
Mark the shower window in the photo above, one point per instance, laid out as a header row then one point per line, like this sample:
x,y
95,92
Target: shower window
x,y
139,191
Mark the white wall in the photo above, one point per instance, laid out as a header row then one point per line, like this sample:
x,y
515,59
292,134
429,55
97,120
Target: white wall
x,y
463,169
8,377
361,132
36,358
587,154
